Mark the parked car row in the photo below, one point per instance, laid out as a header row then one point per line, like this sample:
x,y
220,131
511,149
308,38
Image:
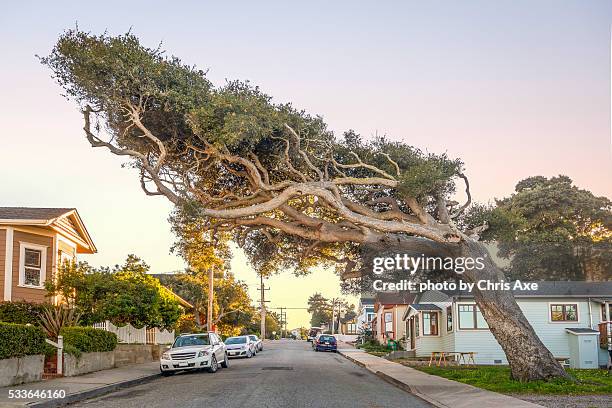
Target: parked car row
x,y
207,351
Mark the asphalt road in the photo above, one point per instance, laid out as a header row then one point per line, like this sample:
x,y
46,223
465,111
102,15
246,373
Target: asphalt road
x,y
286,374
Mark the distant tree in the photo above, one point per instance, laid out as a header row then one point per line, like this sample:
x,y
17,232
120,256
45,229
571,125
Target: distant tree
x,y
232,309
320,309
125,294
550,229
272,324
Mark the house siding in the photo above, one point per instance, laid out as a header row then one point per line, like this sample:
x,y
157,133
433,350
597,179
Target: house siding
x,y
553,335
30,294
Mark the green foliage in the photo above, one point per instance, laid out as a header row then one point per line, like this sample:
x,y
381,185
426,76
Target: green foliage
x,y
54,318
72,350
89,339
497,379
127,294
21,312
17,340
272,324
231,300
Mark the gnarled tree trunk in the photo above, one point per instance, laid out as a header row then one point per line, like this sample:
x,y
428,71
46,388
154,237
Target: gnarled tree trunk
x,y
528,357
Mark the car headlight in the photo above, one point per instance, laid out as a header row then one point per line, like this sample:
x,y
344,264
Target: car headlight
x,y
202,353
166,356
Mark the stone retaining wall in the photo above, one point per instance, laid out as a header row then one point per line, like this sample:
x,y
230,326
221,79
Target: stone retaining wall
x,y
21,370
88,362
137,353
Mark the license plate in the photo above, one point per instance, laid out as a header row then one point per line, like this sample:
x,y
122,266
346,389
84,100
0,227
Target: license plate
x,y
183,364
326,343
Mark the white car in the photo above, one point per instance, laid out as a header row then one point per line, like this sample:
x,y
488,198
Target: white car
x,y
258,342
193,352
240,346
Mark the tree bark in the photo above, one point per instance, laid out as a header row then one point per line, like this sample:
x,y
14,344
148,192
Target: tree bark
x,y
529,359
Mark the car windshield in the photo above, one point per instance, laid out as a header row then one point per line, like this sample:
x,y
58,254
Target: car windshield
x,y
327,338
235,340
254,338
186,341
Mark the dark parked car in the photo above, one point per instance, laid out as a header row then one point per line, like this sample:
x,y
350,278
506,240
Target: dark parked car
x,y
326,342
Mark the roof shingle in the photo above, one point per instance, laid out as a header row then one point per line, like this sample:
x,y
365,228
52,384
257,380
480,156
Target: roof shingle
x,y
29,213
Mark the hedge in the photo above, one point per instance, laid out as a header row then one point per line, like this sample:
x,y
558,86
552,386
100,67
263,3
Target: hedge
x,y
88,339
18,340
21,312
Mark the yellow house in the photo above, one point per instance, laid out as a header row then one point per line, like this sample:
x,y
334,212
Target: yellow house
x,y
33,242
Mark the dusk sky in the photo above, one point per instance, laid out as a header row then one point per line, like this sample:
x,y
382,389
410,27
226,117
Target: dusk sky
x,y
514,88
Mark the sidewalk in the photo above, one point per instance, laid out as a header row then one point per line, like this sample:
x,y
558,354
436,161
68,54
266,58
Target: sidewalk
x,y
438,391
81,387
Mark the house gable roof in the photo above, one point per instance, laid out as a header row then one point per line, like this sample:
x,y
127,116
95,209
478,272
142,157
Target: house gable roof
x,y
65,221
425,307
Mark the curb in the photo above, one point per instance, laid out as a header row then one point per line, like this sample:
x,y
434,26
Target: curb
x,y
96,392
402,386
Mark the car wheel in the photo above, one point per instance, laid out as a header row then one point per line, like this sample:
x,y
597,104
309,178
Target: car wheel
x,y
213,365
167,373
249,354
225,363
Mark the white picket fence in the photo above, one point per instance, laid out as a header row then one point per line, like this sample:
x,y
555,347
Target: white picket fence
x,y
131,335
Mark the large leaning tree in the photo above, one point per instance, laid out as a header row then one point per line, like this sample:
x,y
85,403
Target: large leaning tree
x,y
275,177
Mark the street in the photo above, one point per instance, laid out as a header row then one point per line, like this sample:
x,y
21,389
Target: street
x,y
286,374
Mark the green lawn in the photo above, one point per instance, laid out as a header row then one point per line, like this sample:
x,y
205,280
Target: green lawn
x,y
498,379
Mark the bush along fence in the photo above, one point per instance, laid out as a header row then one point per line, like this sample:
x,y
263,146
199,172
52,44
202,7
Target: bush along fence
x,y
129,334
87,349
22,350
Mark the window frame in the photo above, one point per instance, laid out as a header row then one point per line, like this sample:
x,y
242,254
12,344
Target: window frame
x,y
449,313
43,264
475,312
437,325
603,311
550,312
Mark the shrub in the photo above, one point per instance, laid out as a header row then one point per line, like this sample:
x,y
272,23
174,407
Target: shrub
x,y
88,339
54,318
18,340
21,312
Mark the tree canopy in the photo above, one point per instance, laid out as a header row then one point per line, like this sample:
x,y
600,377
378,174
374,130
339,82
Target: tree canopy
x,y
124,295
273,176
551,229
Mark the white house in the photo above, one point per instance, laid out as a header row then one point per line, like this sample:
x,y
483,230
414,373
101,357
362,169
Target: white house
x,y
451,321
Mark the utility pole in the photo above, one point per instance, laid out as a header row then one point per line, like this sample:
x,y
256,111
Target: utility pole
x,y
281,322
209,311
262,303
333,322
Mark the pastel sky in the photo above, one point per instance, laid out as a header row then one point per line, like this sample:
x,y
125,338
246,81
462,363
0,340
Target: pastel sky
x,y
515,88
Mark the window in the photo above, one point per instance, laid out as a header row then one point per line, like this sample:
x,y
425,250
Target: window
x,y
388,322
32,265
449,319
603,312
430,323
370,317
564,313
351,328
470,318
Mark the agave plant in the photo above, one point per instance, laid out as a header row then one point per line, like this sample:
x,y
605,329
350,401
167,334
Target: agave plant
x,y
54,318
